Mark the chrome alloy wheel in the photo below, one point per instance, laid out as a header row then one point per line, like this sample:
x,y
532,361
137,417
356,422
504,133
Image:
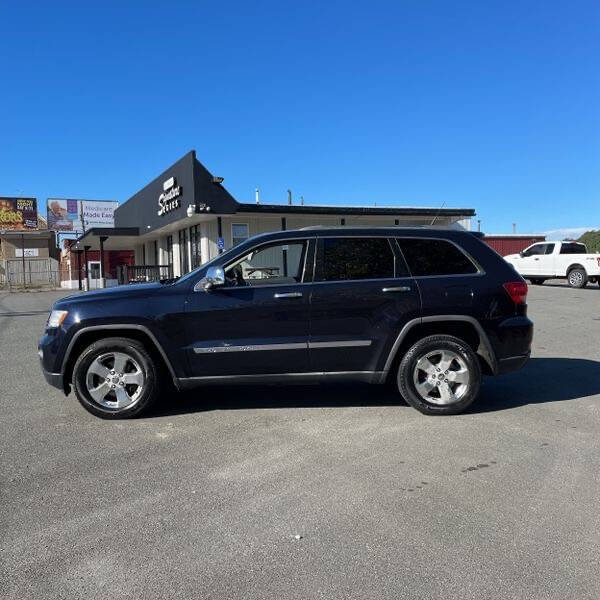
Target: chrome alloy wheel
x,y
575,278
115,380
441,377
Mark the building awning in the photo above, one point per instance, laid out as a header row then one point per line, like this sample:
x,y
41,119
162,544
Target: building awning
x,y
117,238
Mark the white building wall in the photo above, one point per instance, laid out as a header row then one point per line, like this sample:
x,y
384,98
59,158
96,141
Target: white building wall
x,y
264,223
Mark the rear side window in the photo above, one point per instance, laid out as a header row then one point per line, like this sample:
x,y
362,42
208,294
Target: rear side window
x,y
572,249
426,257
342,259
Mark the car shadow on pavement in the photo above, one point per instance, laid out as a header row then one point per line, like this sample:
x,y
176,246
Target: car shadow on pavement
x,y
557,283
541,380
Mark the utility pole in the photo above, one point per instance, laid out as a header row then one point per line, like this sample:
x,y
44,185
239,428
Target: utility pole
x,y
23,257
81,217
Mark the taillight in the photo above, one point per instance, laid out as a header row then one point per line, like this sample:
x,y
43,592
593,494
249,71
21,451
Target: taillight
x,y
517,290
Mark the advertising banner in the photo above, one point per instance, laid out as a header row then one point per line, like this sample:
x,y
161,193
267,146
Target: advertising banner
x,y
65,214
18,213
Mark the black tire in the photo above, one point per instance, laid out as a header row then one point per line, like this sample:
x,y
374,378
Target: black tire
x,y
408,370
100,354
537,281
577,278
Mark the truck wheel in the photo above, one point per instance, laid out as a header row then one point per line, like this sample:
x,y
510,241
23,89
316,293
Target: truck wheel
x,y
439,375
577,278
537,281
115,378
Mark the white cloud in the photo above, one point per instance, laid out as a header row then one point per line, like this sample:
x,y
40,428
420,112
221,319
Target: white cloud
x,y
567,232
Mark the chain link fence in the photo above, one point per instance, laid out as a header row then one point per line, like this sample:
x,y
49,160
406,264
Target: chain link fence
x,y
33,273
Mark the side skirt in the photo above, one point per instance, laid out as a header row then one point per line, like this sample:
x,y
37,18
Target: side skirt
x,y
186,383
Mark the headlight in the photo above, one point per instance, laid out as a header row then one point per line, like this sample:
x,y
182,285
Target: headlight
x,y
56,318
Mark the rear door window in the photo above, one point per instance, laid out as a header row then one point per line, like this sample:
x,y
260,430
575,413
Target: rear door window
x,y
431,257
572,249
345,259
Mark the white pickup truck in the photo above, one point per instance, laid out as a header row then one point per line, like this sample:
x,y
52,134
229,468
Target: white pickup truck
x,y
557,260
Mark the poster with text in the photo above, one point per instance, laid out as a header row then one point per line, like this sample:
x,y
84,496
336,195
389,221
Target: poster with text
x,y
66,214
18,213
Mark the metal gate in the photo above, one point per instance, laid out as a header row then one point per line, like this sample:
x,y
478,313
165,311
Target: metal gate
x,y
31,273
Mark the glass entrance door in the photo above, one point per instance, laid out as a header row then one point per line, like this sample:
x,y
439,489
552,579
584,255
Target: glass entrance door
x,y
94,274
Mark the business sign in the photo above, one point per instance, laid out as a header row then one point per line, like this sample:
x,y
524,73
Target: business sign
x,y
169,199
66,215
18,213
29,252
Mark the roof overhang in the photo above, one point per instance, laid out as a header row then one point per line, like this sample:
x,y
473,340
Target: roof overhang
x,y
16,234
400,211
115,238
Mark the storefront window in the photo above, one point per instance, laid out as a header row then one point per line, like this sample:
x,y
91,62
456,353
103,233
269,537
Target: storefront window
x,y
239,233
183,252
170,254
195,246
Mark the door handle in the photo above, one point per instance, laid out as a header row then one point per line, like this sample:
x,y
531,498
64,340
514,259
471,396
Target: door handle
x,y
288,295
536,259
402,288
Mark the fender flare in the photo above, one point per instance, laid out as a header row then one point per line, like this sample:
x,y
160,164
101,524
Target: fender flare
x,y
485,349
124,326
575,266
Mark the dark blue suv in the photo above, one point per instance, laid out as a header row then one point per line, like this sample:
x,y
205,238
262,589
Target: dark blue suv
x,y
428,309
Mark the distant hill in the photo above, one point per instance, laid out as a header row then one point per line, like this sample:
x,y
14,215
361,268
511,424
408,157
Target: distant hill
x,y
592,240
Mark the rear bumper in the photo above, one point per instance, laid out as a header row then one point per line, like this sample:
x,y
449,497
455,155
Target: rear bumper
x,y
511,340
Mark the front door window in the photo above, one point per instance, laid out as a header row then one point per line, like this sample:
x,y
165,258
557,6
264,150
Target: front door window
x,y
273,264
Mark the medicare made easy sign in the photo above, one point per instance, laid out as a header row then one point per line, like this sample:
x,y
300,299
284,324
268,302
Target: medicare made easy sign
x,y
66,214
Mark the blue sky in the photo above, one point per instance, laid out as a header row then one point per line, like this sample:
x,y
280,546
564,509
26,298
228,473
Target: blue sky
x,y
490,105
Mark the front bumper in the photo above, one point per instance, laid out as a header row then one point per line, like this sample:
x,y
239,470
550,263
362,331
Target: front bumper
x,y
46,356
54,379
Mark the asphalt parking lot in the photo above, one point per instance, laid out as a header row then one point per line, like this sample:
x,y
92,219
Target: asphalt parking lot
x,y
205,498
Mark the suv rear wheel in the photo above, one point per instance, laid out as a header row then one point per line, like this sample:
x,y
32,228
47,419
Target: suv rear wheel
x,y
439,375
115,378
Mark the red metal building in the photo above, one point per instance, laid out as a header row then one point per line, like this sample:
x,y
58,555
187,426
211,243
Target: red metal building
x,y
512,243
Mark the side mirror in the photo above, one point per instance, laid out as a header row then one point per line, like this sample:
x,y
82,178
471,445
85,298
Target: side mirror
x,y
521,254
215,276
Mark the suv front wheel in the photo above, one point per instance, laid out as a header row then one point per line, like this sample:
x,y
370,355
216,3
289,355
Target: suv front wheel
x,y
115,378
439,375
